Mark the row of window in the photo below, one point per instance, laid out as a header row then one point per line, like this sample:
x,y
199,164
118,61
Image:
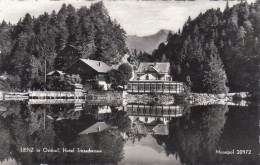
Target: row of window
x,y
155,87
159,107
158,118
136,110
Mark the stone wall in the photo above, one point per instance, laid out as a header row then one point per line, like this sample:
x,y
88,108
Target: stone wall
x,y
165,99
206,99
104,95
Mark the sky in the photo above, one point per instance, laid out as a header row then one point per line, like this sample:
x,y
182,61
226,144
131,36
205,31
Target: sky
x,y
137,17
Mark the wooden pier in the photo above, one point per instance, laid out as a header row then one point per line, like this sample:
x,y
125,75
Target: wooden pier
x,y
55,95
55,101
14,96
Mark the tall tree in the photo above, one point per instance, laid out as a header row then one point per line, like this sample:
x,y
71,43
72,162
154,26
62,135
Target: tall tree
x,y
215,78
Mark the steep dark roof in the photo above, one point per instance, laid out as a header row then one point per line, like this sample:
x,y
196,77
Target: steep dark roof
x,y
98,66
161,129
98,127
69,46
160,67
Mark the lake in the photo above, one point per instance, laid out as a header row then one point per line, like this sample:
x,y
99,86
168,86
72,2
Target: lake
x,y
82,133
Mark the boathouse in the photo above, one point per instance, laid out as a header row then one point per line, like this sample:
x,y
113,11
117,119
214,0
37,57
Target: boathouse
x,y
154,78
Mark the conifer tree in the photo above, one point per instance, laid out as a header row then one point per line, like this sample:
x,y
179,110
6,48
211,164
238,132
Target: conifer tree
x,y
215,78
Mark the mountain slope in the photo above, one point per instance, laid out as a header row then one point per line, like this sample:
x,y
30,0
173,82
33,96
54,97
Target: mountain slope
x,y
146,43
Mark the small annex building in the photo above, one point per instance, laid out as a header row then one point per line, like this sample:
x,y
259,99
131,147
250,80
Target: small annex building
x,y
154,77
91,71
55,73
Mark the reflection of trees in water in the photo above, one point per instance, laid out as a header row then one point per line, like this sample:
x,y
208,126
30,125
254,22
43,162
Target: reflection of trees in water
x,y
23,126
116,118
27,129
119,119
65,111
242,133
9,118
10,107
36,120
195,138
135,136
109,142
213,122
5,140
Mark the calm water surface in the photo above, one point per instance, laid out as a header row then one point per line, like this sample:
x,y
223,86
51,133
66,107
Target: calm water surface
x,y
133,134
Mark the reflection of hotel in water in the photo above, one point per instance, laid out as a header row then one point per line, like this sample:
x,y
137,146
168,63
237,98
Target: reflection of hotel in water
x,y
149,113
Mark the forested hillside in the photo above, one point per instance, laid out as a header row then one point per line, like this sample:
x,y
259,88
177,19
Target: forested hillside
x,y
216,52
217,48
27,45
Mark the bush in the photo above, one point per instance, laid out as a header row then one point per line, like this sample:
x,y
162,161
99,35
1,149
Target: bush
x,y
120,76
62,82
9,83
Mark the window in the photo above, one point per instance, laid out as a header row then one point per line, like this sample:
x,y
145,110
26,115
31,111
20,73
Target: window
x,y
159,87
135,87
147,87
153,87
141,87
173,86
135,109
147,77
166,86
129,86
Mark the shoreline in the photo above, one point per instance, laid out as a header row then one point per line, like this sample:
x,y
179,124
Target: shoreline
x,y
167,99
